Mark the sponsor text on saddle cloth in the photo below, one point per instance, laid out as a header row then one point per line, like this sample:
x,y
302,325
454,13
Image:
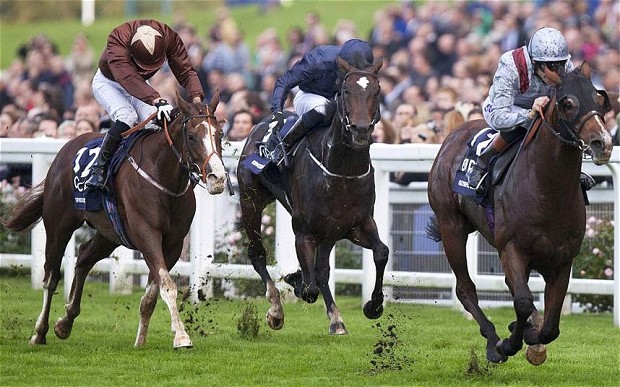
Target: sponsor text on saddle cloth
x,y
95,199
257,163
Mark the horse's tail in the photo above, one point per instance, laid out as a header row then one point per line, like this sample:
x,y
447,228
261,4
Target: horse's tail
x,y
432,229
27,212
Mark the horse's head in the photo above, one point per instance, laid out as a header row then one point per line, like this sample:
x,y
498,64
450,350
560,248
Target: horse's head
x,y
202,142
358,101
580,112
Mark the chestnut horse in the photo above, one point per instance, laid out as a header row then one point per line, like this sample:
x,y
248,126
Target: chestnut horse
x,y
156,204
539,211
329,190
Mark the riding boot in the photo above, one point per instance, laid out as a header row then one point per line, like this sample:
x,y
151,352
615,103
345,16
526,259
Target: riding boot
x,y
477,174
108,147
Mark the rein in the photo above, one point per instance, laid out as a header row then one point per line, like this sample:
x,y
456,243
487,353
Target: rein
x,y
189,165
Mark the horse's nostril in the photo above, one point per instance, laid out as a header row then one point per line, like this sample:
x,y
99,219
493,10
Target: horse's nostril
x,y
597,145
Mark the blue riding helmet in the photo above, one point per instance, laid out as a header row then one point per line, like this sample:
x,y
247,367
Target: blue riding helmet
x,y
357,53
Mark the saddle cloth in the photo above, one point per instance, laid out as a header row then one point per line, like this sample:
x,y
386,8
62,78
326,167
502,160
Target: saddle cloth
x,y
475,147
95,199
257,163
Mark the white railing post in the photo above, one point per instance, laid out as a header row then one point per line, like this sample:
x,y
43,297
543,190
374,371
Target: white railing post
x,y
202,244
382,219
120,280
286,255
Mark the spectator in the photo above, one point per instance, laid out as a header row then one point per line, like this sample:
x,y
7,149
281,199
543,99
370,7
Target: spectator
x,y
384,132
66,129
242,124
84,125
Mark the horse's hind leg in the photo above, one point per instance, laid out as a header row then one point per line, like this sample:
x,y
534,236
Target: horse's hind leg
x,y
89,254
57,238
251,211
368,237
336,324
454,238
147,306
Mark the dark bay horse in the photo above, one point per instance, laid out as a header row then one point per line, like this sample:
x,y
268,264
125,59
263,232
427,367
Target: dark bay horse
x,y
156,204
329,190
539,212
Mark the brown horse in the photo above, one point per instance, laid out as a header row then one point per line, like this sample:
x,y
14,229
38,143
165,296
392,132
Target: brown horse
x,y
155,201
539,211
329,190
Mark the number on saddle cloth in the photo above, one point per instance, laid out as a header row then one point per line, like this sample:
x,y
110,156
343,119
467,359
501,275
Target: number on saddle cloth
x,y
476,146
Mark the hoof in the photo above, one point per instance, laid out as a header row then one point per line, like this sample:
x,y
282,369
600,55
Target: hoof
x,y
494,356
536,354
62,329
310,296
274,323
37,340
338,329
182,341
371,312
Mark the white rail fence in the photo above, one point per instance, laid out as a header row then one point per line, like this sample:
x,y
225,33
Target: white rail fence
x,y
214,214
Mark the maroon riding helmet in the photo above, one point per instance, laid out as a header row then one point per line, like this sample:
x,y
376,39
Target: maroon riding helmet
x,y
148,48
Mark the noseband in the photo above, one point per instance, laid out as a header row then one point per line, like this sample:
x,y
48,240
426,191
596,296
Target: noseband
x,y
341,107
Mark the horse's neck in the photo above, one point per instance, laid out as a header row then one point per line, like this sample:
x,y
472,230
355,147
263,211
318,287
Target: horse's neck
x,y
338,156
159,157
552,162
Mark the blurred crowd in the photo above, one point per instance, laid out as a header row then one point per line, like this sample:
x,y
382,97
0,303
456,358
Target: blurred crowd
x,y
439,59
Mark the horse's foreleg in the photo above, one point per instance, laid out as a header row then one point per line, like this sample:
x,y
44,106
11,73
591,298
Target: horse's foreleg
x,y
168,292
555,292
90,253
368,237
147,306
336,324
523,300
305,246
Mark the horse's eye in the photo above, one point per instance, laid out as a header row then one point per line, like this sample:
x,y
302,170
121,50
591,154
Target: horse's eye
x,y
192,137
569,105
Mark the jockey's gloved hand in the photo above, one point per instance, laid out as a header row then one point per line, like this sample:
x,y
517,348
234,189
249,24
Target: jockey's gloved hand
x,y
164,109
278,117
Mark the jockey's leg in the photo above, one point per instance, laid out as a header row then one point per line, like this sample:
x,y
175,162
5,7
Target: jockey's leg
x,y
110,143
476,175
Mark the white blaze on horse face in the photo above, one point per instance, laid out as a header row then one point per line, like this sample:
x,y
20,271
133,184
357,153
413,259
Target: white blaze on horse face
x,y
363,82
215,163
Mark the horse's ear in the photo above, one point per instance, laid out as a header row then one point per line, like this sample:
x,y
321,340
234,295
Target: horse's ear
x,y
343,64
215,100
376,66
181,103
586,70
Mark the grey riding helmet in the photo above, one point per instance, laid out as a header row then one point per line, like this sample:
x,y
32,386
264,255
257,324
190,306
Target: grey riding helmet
x,y
548,45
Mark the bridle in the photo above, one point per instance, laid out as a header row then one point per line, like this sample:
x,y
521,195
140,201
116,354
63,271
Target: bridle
x,y
567,135
341,107
195,171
